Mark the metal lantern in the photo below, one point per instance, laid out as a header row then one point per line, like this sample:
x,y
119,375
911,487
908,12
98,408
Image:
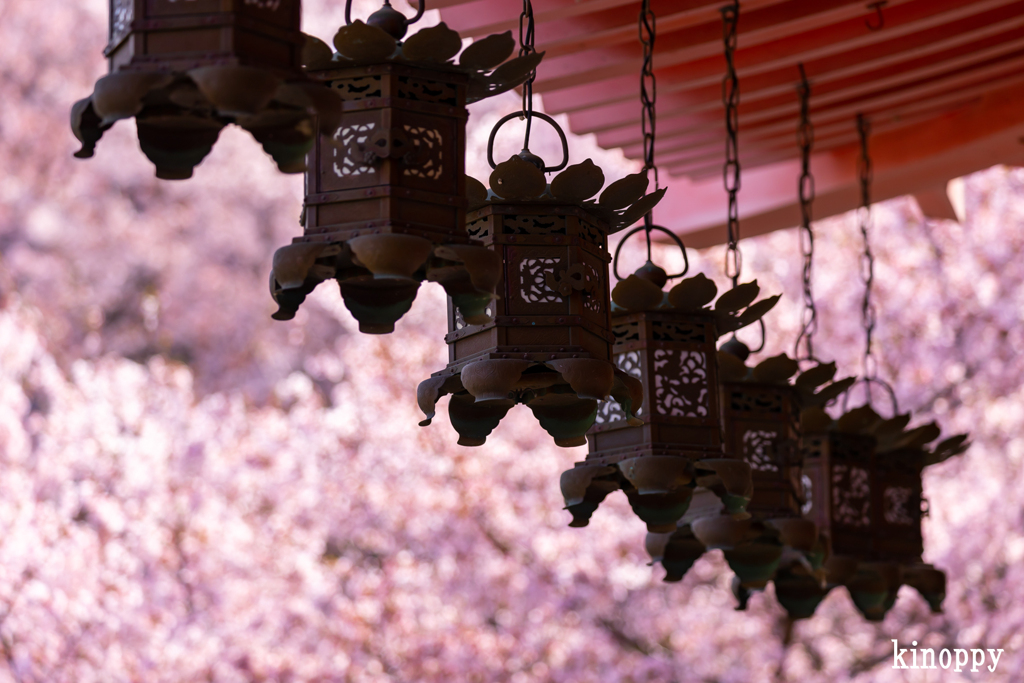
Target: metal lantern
x,y
385,199
668,343
549,343
865,479
761,409
184,70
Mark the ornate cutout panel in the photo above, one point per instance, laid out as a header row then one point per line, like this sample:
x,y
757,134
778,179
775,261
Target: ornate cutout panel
x,y
808,488
591,302
533,278
480,229
762,450
681,383
851,495
898,505
533,225
420,90
627,332
426,161
687,333
749,400
591,234
350,158
361,88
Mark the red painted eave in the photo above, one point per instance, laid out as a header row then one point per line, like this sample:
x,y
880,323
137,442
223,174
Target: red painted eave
x,y
942,83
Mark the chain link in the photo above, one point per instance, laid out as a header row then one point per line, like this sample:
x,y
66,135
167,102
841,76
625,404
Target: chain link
x,y
526,47
731,171
805,188
649,98
867,261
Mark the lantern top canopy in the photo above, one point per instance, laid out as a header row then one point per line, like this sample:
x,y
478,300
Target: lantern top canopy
x,y
483,62
939,79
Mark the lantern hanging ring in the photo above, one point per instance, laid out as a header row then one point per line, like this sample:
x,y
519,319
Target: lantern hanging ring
x,y
868,382
421,7
526,154
764,337
648,229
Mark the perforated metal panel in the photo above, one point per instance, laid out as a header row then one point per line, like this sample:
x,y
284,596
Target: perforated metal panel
x,y
761,427
674,355
554,290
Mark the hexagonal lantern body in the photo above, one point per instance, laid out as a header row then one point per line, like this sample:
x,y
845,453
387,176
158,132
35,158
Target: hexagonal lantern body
x,y
170,35
761,424
839,470
554,302
673,354
396,163
898,493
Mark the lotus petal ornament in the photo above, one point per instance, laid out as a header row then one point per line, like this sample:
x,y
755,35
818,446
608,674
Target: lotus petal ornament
x,y
205,66
487,53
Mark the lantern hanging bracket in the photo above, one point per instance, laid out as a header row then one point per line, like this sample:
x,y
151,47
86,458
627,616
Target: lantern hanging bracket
x,y
648,99
877,6
526,154
648,229
526,47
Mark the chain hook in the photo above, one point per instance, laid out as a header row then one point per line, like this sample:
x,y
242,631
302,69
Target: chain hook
x,y
877,6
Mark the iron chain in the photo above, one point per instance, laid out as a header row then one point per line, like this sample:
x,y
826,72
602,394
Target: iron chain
x,y
649,98
731,171
805,188
867,263
526,47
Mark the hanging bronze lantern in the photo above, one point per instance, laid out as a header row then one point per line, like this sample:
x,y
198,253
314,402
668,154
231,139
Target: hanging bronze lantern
x,y
761,411
667,341
386,188
864,475
184,70
774,543
761,414
549,343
